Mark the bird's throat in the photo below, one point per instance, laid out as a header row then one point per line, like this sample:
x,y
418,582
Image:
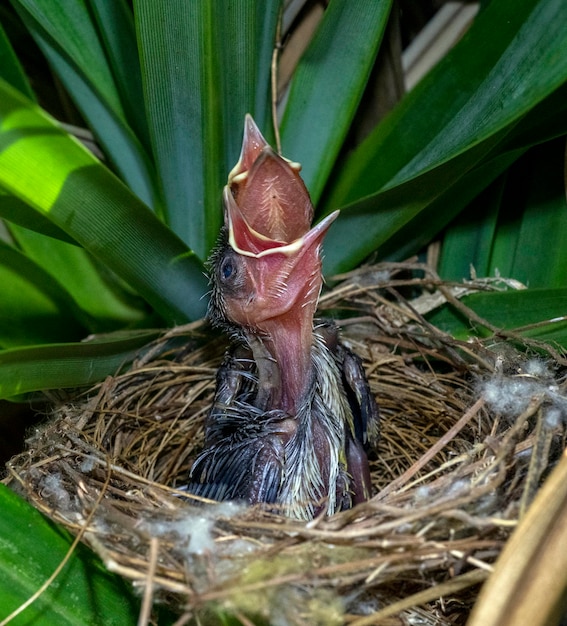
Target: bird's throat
x,y
287,341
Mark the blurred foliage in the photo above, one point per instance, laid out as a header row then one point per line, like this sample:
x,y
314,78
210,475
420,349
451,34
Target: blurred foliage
x,y
472,158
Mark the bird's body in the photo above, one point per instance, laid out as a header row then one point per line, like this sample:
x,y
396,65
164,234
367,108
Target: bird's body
x,y
310,462
292,408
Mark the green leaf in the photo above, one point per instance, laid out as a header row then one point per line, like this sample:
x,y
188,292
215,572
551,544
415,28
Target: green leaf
x,y
204,66
68,365
118,34
328,85
543,309
546,121
54,174
409,231
31,548
33,306
69,26
533,223
13,210
509,61
106,305
398,226
68,38
245,36
522,219
467,244
10,68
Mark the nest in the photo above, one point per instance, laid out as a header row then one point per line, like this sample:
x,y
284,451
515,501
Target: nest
x,y
469,431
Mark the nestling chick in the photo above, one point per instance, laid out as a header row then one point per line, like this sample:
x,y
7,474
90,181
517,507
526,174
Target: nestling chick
x,y
292,411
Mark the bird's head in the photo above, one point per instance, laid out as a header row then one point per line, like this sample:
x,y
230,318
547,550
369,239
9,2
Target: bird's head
x,y
266,273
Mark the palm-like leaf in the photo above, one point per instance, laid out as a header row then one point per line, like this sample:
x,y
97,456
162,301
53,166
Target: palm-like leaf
x,y
83,593
434,146
196,106
54,174
92,247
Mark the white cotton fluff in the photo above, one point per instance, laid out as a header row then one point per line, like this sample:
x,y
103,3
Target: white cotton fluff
x,y
193,528
87,465
554,418
53,490
536,368
511,395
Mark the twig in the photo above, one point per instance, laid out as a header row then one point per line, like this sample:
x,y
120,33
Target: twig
x,y
433,451
147,601
427,595
274,82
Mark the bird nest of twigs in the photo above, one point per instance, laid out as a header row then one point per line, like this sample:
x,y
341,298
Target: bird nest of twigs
x,y
468,432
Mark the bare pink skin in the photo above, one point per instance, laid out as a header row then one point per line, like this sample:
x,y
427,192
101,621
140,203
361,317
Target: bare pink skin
x,y
269,213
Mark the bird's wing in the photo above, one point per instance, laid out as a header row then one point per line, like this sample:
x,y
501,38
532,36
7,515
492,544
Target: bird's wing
x,y
247,465
235,386
363,403
366,416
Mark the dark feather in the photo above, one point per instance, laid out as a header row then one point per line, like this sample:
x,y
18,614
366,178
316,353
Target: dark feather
x,y
246,464
257,456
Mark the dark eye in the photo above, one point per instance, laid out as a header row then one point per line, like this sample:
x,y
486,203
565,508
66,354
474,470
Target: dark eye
x,y
227,269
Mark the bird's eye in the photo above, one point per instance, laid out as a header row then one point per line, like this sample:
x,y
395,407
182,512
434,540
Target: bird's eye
x,y
228,269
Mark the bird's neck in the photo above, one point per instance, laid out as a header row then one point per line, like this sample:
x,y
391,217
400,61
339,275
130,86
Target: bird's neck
x,y
287,341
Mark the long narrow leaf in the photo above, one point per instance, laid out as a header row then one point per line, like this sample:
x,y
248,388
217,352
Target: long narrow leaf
x,y
106,306
467,244
201,73
34,308
54,174
13,210
546,121
70,26
68,38
395,222
10,68
115,137
58,366
118,34
181,76
536,221
508,228
508,62
542,311
245,36
411,230
31,548
328,84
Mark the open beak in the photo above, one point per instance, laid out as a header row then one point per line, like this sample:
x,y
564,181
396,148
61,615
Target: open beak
x,y
268,190
268,215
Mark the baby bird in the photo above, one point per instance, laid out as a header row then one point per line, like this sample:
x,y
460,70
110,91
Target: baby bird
x,y
293,411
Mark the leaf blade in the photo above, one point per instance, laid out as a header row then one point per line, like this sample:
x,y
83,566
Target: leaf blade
x,y
10,68
452,120
196,116
106,305
70,27
312,132
13,210
54,174
67,365
28,559
537,313
34,308
118,34
69,40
